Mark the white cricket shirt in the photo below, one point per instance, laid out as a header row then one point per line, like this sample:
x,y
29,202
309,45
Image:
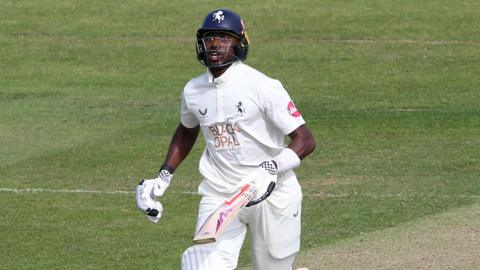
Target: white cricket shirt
x,y
244,117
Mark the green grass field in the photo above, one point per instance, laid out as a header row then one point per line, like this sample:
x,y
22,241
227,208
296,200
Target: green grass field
x,y
89,97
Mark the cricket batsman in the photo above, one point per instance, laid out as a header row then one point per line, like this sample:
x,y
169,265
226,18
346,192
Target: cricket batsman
x,y
244,117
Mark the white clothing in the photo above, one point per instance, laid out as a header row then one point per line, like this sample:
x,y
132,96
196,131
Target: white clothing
x,y
203,257
244,117
274,233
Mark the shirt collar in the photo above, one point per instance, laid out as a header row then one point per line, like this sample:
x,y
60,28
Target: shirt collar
x,y
228,75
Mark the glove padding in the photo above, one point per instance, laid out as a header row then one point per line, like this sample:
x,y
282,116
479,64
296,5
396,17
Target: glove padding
x,y
147,192
264,179
162,182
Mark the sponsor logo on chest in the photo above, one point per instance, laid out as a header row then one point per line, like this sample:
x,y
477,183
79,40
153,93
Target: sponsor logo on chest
x,y
224,136
203,113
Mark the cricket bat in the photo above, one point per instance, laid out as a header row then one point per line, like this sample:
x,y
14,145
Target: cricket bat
x,y
216,223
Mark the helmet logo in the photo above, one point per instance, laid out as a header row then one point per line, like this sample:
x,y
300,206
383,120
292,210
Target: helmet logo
x,y
218,16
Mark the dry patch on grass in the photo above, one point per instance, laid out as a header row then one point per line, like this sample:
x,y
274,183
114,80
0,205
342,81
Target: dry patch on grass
x,y
449,240
324,187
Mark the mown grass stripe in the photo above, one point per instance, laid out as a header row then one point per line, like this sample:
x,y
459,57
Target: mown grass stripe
x,y
189,39
324,195
47,190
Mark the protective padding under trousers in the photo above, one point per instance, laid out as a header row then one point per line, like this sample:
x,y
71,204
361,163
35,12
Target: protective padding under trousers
x,y
202,257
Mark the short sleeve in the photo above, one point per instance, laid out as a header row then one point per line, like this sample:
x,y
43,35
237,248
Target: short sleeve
x,y
187,118
280,108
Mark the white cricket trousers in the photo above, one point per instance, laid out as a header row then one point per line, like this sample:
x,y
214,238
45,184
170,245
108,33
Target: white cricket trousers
x,y
274,234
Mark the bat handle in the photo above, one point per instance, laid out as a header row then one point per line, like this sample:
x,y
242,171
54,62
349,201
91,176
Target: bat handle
x,y
265,195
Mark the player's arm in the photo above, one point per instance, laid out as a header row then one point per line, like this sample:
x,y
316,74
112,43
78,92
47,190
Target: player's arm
x,y
301,145
282,112
148,190
181,144
302,141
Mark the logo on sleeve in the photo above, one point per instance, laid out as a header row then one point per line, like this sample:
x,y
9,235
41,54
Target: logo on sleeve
x,y
292,110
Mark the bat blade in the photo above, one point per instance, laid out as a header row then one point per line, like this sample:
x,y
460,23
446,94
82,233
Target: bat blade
x,y
219,220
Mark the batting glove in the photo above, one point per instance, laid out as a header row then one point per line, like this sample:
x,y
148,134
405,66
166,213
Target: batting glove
x,y
147,192
265,179
269,166
146,202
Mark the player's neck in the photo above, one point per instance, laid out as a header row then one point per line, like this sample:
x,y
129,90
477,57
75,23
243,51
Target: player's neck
x,y
218,71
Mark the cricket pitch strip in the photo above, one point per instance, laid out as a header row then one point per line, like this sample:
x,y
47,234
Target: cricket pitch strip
x,y
449,240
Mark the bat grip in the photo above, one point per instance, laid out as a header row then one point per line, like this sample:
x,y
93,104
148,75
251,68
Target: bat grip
x,y
265,195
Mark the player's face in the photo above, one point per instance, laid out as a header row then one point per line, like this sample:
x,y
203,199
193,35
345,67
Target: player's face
x,y
220,48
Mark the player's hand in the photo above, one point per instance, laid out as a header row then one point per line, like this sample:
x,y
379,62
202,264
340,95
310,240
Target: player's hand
x,y
148,190
146,202
265,179
161,183
269,166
